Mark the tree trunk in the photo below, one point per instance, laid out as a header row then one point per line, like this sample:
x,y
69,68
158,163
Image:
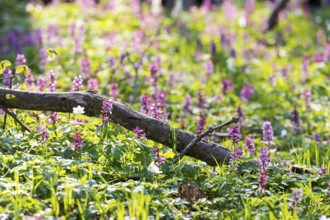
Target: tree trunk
x,y
122,114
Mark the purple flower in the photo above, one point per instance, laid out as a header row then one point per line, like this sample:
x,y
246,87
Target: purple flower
x,y
250,146
201,123
93,84
161,100
322,171
238,154
44,133
264,158
107,108
20,60
85,68
145,103
77,83
226,85
267,131
114,92
209,68
213,50
53,118
153,76
41,83
77,141
201,99
317,138
158,159
295,119
187,104
235,134
307,95
139,134
43,58
111,62
29,80
246,92
263,181
7,74
241,115
297,197
52,81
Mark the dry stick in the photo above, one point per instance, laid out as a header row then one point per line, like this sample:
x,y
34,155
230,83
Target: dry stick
x,y
273,19
123,115
24,128
204,134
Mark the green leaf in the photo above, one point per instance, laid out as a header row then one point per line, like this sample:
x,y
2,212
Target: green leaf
x,y
3,65
51,53
23,69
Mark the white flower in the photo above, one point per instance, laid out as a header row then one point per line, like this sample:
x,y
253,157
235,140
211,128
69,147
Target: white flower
x,y
78,110
231,64
153,168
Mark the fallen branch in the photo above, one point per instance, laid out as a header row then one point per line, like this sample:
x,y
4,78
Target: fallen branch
x,y
122,114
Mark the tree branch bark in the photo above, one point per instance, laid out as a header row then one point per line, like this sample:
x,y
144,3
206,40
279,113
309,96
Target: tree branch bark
x,y
122,114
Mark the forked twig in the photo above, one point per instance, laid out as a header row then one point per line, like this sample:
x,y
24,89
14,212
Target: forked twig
x,y
204,134
24,128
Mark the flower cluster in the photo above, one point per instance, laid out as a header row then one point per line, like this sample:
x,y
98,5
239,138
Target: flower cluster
x,y
107,107
93,84
29,80
77,83
297,197
77,141
235,134
52,81
267,132
295,119
53,118
158,158
85,68
113,90
139,134
226,85
318,138
322,171
209,67
201,99
263,163
41,83
307,96
44,133
249,145
20,60
246,92
240,114
154,109
201,123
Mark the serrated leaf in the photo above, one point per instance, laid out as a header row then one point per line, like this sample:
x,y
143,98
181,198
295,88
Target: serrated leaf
x,y
51,53
23,69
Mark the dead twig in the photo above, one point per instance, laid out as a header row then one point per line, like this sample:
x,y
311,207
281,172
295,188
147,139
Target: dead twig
x,y
198,138
24,128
